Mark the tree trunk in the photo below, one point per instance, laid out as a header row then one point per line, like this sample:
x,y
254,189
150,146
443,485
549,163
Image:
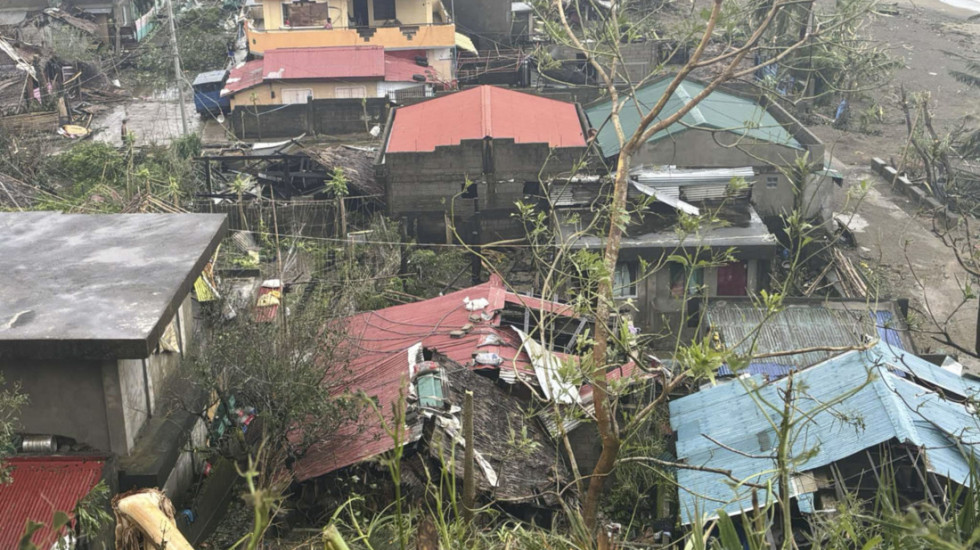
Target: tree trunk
x,y
605,421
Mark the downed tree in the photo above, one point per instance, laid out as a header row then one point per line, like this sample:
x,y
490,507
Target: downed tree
x,y
145,521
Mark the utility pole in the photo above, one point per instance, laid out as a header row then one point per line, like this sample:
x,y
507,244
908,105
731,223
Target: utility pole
x,y
177,73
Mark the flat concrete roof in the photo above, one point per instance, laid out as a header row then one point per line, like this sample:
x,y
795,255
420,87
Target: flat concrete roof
x,y
97,286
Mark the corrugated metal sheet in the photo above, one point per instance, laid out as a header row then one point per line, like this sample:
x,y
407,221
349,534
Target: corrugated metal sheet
x,y
671,175
40,487
210,77
718,111
400,66
309,64
379,342
799,326
886,408
485,111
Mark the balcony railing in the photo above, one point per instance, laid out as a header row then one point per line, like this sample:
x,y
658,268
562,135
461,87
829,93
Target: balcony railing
x,y
401,37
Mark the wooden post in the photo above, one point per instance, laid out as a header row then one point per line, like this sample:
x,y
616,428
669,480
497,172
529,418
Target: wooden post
x,y
469,485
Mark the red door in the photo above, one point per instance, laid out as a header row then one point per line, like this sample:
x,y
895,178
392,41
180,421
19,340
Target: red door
x,y
732,279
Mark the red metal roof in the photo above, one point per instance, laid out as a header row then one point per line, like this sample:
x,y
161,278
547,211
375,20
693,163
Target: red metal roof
x,y
341,62
308,64
379,343
42,486
485,111
400,66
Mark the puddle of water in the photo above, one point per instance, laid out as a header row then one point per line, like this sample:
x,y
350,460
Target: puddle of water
x,y
972,5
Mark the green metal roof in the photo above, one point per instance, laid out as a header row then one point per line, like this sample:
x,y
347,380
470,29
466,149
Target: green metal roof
x,y
718,111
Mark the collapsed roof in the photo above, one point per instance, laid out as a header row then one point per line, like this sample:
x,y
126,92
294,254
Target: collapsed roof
x,y
857,400
384,345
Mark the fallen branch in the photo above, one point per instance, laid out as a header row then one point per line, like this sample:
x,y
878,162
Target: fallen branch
x,y
145,521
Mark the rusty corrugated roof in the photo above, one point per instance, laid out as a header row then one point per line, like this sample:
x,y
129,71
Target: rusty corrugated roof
x,y
308,64
378,343
42,486
485,111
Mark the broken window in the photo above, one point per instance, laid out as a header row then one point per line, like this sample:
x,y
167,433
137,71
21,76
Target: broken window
x,y
384,9
469,190
306,14
624,280
430,386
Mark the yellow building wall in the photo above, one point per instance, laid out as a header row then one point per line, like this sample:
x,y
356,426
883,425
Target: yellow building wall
x,y
426,37
321,90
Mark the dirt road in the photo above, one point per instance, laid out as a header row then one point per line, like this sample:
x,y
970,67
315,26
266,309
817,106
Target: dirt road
x,y
897,245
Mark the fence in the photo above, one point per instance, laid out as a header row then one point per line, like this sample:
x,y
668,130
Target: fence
x,y
317,117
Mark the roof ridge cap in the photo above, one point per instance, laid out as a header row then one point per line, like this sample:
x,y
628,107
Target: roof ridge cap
x,y
485,98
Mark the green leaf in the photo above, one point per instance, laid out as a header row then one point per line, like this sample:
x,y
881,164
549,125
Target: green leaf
x,y
29,530
727,533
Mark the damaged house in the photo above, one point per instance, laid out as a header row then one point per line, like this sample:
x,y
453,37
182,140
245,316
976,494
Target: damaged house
x,y
869,409
669,294
432,352
460,161
727,130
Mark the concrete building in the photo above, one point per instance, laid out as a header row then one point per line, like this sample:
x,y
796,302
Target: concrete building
x,y
665,291
494,23
726,130
96,314
500,141
299,75
398,25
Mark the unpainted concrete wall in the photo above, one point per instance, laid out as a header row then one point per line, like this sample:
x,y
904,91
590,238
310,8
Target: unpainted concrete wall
x,y
66,398
423,188
697,148
104,404
658,309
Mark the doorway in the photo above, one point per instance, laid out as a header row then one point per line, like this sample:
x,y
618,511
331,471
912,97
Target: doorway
x,y
733,279
360,13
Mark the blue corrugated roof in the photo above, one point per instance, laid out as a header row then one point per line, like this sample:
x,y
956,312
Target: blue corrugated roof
x,y
885,407
765,368
886,329
718,111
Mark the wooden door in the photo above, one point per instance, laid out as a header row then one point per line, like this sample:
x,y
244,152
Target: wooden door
x,y
733,279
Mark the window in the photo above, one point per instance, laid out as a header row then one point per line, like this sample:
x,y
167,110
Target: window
x,y
430,386
681,278
624,280
296,95
306,14
347,92
469,190
384,9
772,182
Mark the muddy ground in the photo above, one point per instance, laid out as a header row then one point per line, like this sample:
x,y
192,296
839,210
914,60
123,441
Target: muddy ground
x,y
895,239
